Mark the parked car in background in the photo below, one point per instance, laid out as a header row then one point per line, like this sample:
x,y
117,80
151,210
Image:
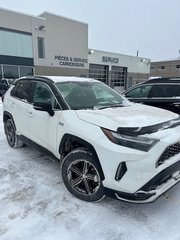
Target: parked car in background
x,y
158,92
4,85
106,144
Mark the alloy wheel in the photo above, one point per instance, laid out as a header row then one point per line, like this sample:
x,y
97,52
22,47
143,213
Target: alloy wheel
x,y
83,177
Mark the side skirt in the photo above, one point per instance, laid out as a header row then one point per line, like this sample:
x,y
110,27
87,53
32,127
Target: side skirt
x,y
29,142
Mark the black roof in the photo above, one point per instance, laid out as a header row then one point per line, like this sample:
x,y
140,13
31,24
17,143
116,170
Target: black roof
x,y
36,77
162,80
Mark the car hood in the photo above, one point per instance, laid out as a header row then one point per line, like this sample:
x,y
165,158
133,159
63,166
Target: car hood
x,y
132,118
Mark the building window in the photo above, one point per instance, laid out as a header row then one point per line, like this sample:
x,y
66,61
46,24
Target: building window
x,y
10,71
15,44
152,68
26,71
99,72
41,47
118,76
1,72
177,66
161,67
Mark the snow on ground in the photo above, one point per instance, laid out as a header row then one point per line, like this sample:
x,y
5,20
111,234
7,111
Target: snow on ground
x,y
34,205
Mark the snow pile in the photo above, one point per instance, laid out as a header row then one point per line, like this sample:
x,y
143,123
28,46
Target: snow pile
x,y
35,205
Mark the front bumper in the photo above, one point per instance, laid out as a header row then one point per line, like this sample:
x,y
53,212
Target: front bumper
x,y
158,185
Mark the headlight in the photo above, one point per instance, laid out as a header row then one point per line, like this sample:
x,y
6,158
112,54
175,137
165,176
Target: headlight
x,y
136,142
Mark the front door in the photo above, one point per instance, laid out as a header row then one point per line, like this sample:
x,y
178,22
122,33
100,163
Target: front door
x,y
42,126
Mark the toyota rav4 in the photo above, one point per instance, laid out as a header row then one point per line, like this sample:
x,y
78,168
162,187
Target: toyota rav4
x,y
106,145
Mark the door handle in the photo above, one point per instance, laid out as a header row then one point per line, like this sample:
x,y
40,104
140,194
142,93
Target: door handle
x,y
30,114
12,105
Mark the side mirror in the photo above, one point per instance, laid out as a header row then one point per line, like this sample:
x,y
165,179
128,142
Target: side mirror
x,y
44,106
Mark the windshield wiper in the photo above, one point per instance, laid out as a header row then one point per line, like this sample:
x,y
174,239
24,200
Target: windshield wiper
x,y
115,105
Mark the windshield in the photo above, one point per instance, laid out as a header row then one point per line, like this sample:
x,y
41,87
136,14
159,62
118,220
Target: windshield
x,y
93,95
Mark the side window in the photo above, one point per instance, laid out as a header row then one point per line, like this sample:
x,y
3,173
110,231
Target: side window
x,y
14,91
166,91
174,90
24,91
159,91
139,92
43,93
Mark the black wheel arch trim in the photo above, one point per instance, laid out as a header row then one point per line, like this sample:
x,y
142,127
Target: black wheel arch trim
x,y
82,143
6,116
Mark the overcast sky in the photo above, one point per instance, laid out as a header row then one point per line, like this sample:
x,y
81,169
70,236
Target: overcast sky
x,y
120,26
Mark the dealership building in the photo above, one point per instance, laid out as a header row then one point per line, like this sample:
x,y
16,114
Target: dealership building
x,y
49,44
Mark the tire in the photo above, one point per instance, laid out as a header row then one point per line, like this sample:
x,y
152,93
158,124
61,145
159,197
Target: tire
x,y
10,131
81,176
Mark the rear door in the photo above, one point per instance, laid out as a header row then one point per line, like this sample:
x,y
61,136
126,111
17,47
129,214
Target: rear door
x,y
19,103
166,96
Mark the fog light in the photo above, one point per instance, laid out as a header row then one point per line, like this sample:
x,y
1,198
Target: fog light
x,y
121,170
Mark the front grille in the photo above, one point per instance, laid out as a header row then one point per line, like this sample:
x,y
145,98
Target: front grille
x,y
169,152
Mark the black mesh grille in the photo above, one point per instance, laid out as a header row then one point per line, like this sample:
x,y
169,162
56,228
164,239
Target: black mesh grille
x,y
169,152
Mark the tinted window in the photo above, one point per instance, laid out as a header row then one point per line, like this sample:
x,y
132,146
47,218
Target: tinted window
x,y
139,92
166,90
10,71
15,44
26,71
41,47
24,90
43,93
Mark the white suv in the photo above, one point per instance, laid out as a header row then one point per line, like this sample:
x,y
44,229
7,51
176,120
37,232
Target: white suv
x,y
107,145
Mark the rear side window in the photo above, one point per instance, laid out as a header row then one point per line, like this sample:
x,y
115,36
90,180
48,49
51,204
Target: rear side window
x,y
172,90
139,92
24,90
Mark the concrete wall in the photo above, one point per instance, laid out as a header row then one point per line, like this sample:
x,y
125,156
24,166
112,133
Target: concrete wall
x,y
57,71
165,69
65,41
16,21
134,64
